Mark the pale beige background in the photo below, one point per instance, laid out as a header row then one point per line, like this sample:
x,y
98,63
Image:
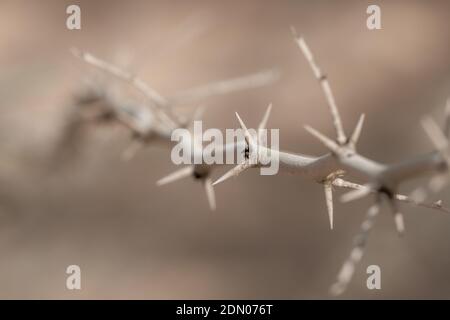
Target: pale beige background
x,y
269,237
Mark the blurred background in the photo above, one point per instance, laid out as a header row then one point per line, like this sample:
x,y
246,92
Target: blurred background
x,y
269,237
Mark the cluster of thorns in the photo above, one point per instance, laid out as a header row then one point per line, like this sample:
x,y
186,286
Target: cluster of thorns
x,y
155,120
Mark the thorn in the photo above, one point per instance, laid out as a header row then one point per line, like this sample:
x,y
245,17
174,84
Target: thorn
x,y
252,144
398,217
357,132
338,182
329,201
447,107
248,136
356,194
234,172
265,119
207,183
435,134
440,142
330,144
177,175
262,139
399,223
294,32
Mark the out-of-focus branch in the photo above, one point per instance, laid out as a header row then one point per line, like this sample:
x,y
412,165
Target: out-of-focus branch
x,y
437,205
256,80
157,102
360,241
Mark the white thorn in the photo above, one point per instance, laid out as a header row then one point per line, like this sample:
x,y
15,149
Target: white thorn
x,y
435,134
235,171
329,200
248,136
356,194
262,138
177,175
338,182
210,193
330,144
357,132
399,223
265,119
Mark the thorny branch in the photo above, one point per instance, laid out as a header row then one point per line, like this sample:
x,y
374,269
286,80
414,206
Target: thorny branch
x,y
383,179
158,121
155,121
